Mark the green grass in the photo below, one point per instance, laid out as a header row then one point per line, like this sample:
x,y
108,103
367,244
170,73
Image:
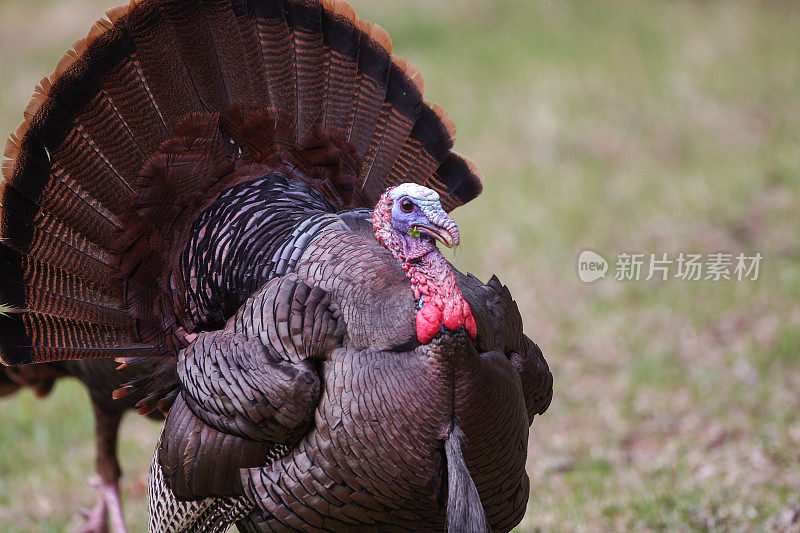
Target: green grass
x,y
616,126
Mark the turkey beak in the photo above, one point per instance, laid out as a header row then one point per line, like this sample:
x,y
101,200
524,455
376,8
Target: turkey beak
x,y
442,228
439,234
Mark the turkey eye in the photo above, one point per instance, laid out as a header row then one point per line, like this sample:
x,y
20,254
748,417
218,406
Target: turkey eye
x,y
407,205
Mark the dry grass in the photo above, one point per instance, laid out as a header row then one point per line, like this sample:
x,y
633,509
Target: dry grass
x,y
616,126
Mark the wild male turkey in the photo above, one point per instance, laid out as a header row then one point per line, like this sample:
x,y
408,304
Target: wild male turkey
x,y
257,188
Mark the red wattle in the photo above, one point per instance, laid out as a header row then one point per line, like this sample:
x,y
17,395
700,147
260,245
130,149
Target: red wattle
x,y
452,316
472,327
429,321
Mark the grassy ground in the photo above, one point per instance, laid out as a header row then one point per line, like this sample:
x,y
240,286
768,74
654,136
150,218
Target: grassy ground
x,y
616,126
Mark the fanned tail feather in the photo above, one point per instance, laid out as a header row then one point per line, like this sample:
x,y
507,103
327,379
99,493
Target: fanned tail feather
x,y
145,120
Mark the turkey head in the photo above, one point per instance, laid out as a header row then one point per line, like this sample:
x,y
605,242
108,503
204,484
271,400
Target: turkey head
x,y
409,220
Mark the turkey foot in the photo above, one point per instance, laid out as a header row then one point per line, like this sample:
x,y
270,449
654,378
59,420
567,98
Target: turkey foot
x,y
108,506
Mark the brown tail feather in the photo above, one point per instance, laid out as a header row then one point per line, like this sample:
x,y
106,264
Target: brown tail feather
x,y
342,38
51,290
164,103
277,49
456,178
374,61
211,48
426,148
400,111
231,46
50,241
135,103
35,338
251,54
162,64
310,58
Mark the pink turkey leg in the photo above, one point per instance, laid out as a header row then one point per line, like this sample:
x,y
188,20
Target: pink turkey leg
x,y
96,516
109,492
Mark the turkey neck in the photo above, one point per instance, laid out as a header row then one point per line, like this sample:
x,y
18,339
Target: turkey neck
x,y
432,278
